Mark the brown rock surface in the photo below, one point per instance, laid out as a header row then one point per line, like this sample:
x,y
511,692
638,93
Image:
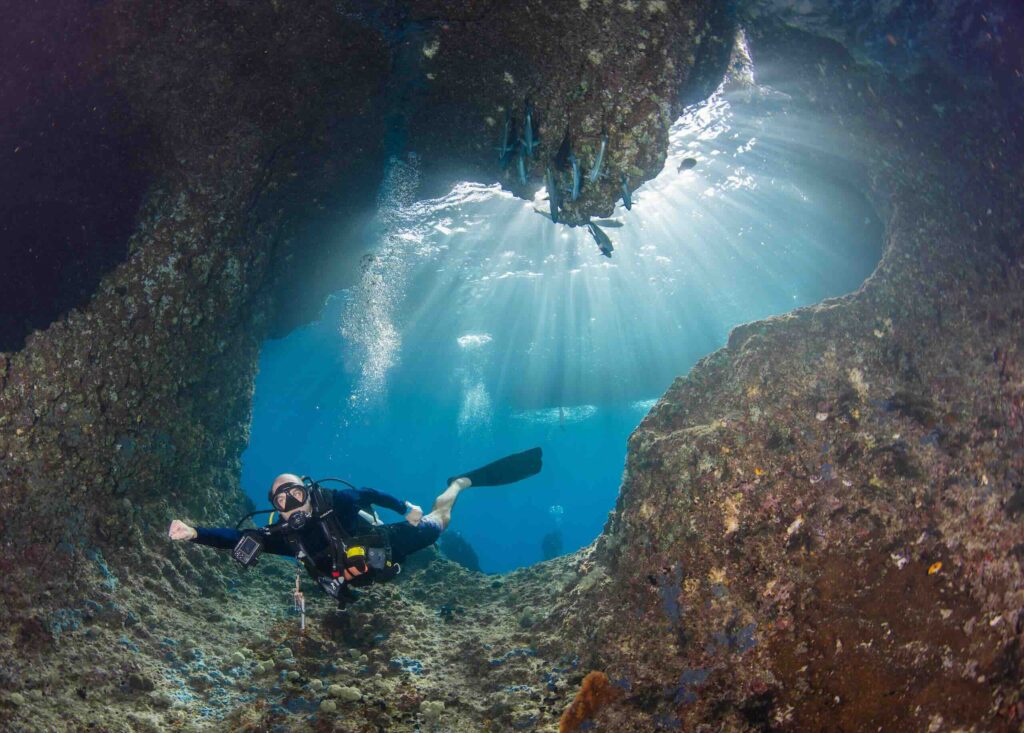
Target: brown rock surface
x,y
773,558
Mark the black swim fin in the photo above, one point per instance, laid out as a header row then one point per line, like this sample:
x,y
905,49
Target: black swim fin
x,y
505,470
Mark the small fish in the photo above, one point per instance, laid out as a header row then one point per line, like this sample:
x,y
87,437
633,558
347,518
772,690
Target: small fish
x,y
627,197
553,194
614,223
687,164
521,165
595,172
603,242
575,193
528,140
506,147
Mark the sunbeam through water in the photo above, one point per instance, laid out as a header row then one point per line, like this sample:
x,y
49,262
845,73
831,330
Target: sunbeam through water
x,y
480,328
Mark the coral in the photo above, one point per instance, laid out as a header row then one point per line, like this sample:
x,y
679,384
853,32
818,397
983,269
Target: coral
x,y
431,709
343,693
595,692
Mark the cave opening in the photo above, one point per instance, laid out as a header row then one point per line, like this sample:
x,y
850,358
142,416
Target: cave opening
x,y
477,328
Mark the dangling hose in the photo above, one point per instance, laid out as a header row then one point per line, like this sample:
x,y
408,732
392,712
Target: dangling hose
x,y
299,601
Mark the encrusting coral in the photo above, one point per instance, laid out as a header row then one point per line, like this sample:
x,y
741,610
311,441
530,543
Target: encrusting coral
x,y
595,692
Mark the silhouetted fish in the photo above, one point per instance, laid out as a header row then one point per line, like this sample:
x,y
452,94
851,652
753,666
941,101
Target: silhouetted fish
x,y
528,140
506,147
687,164
603,242
574,193
595,172
554,195
627,197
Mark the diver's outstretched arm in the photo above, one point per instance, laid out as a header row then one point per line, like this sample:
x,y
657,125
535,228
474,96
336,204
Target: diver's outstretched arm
x,y
365,496
223,538
181,531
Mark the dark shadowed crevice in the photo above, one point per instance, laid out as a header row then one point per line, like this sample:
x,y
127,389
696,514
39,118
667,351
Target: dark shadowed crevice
x,y
70,174
66,223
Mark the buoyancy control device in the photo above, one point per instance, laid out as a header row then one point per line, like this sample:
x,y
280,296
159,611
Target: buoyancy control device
x,y
368,552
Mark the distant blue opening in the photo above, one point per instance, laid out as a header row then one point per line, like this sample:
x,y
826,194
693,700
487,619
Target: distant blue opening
x,y
479,328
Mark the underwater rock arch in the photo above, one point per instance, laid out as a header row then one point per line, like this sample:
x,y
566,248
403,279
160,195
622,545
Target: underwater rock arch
x,y
776,499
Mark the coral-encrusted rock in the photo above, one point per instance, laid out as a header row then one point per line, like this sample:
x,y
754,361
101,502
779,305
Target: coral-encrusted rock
x,y
967,38
819,526
136,406
585,67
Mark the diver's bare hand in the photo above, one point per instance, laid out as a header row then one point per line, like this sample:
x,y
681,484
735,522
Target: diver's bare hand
x,y
181,531
414,515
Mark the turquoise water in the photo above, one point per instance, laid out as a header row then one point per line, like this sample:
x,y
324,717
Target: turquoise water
x,y
479,328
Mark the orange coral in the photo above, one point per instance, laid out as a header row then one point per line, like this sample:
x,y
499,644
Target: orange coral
x,y
595,692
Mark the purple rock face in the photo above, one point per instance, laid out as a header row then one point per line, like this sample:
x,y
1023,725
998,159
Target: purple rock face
x,y
71,169
819,527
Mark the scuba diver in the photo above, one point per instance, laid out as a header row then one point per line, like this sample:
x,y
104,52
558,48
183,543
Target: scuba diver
x,y
335,533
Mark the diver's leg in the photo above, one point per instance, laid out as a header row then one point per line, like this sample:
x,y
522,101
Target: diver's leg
x,y
442,509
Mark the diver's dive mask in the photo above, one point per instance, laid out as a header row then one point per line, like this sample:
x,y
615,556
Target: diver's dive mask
x,y
295,495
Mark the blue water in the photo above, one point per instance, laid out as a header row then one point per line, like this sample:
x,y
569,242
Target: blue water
x,y
479,328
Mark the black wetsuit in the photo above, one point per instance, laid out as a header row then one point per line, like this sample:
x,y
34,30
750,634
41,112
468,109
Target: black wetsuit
x,y
404,538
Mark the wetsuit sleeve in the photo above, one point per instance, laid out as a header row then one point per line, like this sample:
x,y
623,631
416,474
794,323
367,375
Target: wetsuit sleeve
x,y
372,496
275,544
225,538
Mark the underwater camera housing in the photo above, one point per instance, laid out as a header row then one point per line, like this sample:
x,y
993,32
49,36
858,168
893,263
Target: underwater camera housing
x,y
248,550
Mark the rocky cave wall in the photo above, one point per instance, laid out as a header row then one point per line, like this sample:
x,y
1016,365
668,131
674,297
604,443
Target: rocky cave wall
x,y
768,561
820,527
253,129
138,402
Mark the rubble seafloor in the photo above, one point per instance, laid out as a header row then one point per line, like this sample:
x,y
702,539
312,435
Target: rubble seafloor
x,y
442,648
